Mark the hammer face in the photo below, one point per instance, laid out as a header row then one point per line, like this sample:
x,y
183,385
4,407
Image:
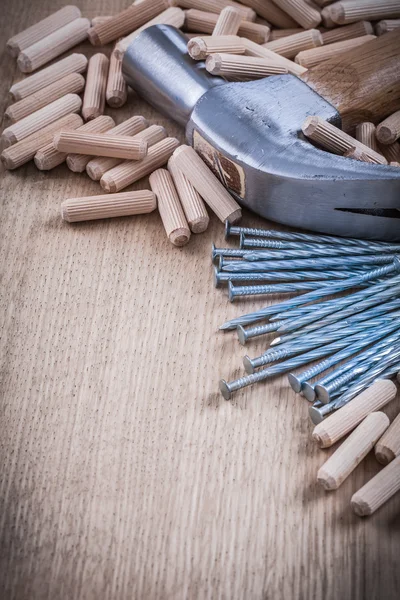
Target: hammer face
x,y
250,135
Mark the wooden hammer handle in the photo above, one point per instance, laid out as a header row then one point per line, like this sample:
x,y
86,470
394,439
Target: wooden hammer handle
x,y
364,83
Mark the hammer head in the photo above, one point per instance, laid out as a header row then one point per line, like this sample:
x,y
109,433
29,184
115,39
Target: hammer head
x,y
250,136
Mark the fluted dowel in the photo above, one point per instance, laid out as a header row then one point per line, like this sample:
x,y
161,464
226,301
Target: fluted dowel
x,y
21,152
253,49
366,134
344,420
116,88
78,162
310,58
242,67
347,32
278,34
208,186
192,203
228,22
386,25
304,14
42,29
130,171
293,44
353,450
96,167
172,16
270,11
334,139
98,144
169,207
70,84
95,91
53,45
108,205
100,19
201,47
388,131
74,63
377,490
70,103
215,6
202,22
126,21
358,10
388,446
49,157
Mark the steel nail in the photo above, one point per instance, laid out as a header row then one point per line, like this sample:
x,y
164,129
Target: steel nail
x,y
308,263
301,248
246,334
279,288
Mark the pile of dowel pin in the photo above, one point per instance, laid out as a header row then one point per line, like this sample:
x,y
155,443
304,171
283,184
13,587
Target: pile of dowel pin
x,y
58,116
351,336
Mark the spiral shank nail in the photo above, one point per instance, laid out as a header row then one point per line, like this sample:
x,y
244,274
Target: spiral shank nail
x,y
319,263
262,329
269,357
303,250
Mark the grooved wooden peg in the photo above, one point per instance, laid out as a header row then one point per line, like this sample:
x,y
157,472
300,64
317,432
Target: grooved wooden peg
x,y
192,204
100,20
200,47
310,58
169,207
242,67
42,29
347,32
353,450
53,45
49,157
386,26
34,122
21,152
208,186
278,34
388,447
335,140
74,63
126,21
344,420
95,91
304,14
78,162
293,44
253,49
116,89
172,16
201,22
108,205
391,152
378,490
270,11
96,167
366,134
357,10
388,131
228,22
70,84
215,6
358,154
97,144
327,19
130,171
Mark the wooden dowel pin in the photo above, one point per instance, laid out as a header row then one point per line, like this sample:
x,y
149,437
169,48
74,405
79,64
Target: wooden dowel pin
x,y
202,22
96,167
304,14
344,420
192,204
42,29
388,131
278,34
348,32
350,11
386,26
100,20
70,103
228,22
310,58
208,186
130,171
242,67
53,45
199,48
378,490
334,139
70,84
216,6
95,91
108,205
353,450
49,157
253,49
388,447
98,144
293,44
21,152
270,11
169,207
74,63
116,89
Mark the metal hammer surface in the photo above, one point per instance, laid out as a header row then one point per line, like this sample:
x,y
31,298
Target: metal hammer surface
x,y
250,135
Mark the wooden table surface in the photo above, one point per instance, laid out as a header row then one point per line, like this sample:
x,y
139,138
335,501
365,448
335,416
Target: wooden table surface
x,y
124,472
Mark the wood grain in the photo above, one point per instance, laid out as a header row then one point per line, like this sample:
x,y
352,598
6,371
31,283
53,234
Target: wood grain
x,y
124,473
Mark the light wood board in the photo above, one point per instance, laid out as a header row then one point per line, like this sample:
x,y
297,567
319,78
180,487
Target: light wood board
x,y
125,475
